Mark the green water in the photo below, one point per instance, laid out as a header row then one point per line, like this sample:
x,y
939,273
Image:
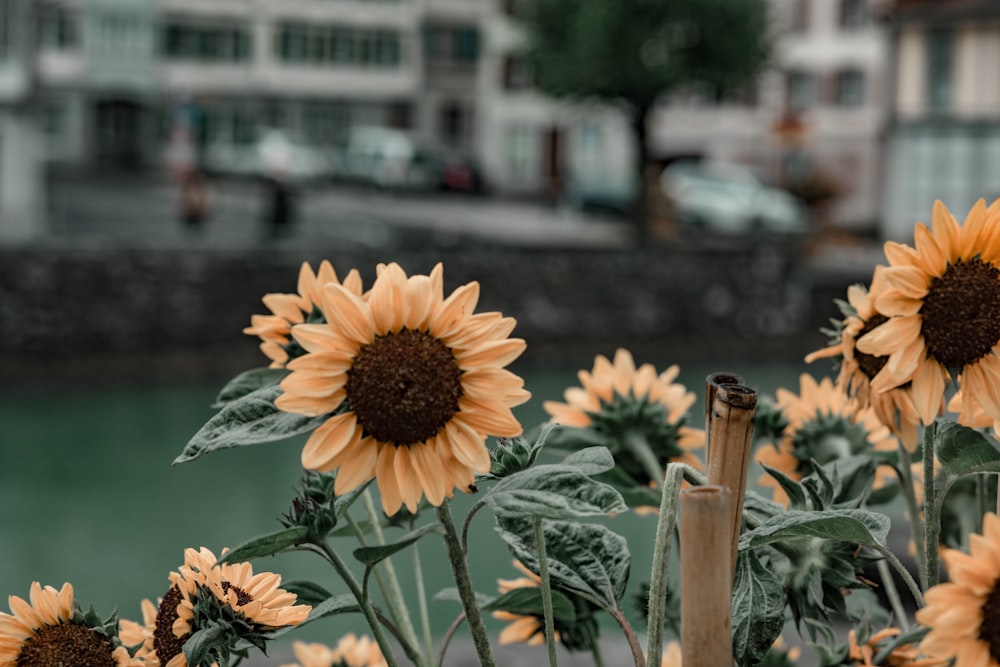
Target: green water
x,y
88,494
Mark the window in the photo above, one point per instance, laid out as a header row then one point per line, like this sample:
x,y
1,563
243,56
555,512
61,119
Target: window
x,y
939,45
57,28
853,13
184,39
802,90
518,73
338,45
445,44
850,91
523,157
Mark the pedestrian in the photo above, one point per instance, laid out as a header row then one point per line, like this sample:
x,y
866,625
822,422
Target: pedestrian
x,y
279,206
194,201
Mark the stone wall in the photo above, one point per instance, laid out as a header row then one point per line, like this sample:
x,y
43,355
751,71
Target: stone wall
x,y
129,314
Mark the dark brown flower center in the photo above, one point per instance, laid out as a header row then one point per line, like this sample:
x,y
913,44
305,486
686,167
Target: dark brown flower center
x,y
66,644
165,643
404,387
242,597
869,364
961,313
989,631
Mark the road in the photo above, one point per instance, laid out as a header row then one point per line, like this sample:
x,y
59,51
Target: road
x,y
144,209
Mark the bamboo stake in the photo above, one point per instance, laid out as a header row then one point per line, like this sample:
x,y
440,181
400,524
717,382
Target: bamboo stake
x,y
730,430
712,383
706,588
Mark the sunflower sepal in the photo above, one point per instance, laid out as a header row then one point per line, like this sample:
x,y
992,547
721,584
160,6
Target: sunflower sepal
x,y
319,509
248,382
90,618
201,647
250,420
512,455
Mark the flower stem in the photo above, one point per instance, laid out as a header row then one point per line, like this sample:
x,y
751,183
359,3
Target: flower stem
x,y
661,561
630,637
425,621
479,504
889,585
366,606
460,570
903,573
546,585
912,507
932,515
391,589
636,444
449,633
981,504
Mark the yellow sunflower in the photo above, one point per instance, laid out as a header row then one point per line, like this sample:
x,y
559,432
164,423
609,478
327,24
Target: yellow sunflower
x,y
291,309
351,651
905,655
523,629
823,425
413,383
893,407
942,299
46,631
964,614
592,405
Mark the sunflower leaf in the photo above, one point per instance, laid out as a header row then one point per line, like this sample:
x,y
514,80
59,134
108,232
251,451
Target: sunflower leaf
x,y
198,646
553,492
372,555
963,450
591,460
266,545
758,612
527,601
248,382
855,526
250,420
452,595
588,559
335,604
306,592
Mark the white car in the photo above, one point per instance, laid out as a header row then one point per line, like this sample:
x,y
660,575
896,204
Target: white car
x,y
729,199
389,158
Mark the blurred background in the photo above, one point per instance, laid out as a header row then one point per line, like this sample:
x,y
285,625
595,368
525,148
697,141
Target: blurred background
x,y
695,180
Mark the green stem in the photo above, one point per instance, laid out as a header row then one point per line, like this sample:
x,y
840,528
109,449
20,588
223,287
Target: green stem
x,y
394,612
595,650
460,570
659,575
903,573
889,585
452,629
425,621
637,445
912,507
366,606
630,637
981,504
932,513
479,504
391,590
546,585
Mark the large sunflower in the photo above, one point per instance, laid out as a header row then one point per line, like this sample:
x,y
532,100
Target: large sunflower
x,y
291,309
351,651
823,425
49,631
619,400
893,407
413,383
942,299
964,614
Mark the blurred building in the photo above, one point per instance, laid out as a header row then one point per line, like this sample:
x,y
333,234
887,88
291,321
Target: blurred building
x,y
814,121
165,82
21,184
944,137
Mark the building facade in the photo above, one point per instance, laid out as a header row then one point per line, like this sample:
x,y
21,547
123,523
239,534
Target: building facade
x,y
944,138
815,119
121,80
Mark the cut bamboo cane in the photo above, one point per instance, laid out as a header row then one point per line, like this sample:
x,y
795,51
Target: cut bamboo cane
x,y
712,383
706,584
730,430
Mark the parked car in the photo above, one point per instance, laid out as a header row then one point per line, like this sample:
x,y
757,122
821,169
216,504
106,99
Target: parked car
x,y
273,155
729,199
388,158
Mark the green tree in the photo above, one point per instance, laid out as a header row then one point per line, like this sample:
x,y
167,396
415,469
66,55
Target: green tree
x,y
634,51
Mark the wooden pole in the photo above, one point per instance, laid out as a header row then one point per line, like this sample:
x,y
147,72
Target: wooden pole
x,y
712,383
730,430
706,583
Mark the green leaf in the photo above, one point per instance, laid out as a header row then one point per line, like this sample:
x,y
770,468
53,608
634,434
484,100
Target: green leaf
x,y
266,545
198,646
855,526
372,555
963,450
758,612
452,595
336,604
527,601
250,420
591,460
553,492
248,382
792,488
306,592
588,559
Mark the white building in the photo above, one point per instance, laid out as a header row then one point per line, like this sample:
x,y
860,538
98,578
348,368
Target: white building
x,y
818,111
117,76
21,196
